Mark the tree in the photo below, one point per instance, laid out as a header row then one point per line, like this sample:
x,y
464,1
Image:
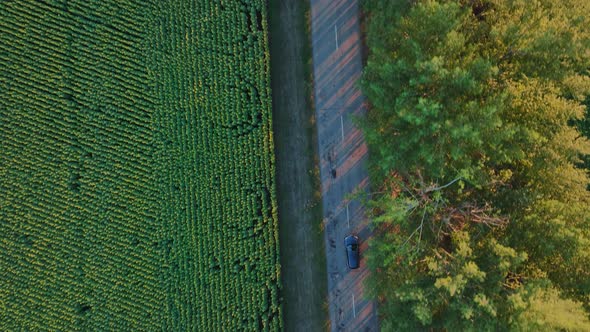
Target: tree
x,y
472,146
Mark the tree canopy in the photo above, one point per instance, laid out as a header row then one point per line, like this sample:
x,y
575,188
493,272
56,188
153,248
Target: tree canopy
x,y
476,141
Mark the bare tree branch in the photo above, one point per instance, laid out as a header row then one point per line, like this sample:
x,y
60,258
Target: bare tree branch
x,y
431,189
421,226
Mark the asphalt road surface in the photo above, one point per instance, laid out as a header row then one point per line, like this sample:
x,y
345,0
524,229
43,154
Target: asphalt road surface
x,y
337,66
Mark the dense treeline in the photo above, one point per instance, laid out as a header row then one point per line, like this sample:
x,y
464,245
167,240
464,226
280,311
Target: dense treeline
x,y
136,170
482,211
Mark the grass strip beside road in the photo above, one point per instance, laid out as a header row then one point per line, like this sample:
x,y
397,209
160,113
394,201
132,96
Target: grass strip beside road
x,y
303,262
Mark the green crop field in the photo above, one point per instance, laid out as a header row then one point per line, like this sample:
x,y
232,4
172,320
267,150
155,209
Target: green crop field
x,y
137,184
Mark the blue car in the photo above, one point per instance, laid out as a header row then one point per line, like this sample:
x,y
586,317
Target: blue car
x,y
351,243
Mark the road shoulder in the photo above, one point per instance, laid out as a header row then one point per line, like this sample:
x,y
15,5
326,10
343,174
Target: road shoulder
x,y
303,262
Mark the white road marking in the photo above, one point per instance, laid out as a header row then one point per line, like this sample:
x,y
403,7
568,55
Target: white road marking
x,y
336,35
353,308
347,218
342,127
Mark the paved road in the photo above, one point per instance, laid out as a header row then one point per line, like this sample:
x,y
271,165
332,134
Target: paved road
x,y
337,66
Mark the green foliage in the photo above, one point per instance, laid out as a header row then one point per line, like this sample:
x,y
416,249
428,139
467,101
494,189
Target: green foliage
x,y
432,94
556,236
137,184
480,95
547,311
465,284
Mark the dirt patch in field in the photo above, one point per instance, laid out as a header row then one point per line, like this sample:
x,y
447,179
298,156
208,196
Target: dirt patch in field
x,y
303,265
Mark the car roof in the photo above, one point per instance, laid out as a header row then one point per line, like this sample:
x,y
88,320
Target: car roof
x,y
351,239
352,253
